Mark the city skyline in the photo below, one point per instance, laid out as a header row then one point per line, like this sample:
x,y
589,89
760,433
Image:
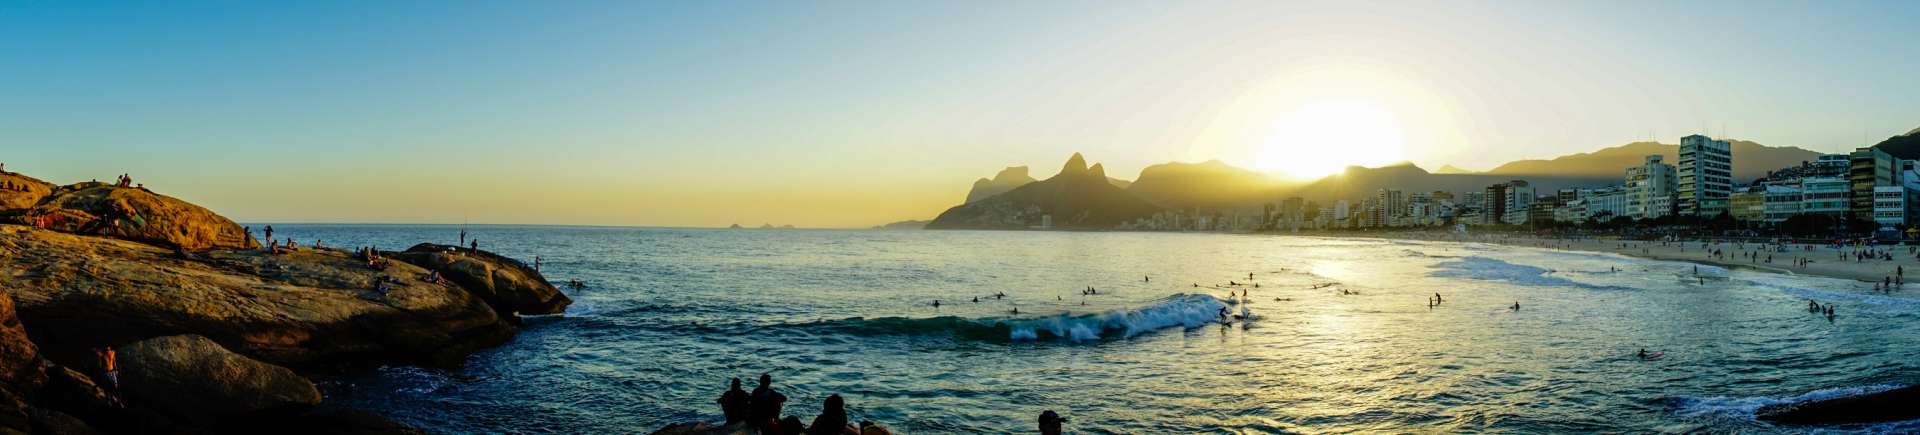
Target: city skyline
x,y
834,115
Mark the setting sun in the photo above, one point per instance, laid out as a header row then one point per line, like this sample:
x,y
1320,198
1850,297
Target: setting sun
x,y
1322,137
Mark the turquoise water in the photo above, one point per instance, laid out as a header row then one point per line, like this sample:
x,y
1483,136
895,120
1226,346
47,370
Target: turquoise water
x,y
671,315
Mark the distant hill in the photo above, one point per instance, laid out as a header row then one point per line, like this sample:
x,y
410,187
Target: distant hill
x,y
1450,169
1356,183
902,225
1008,179
1750,161
1208,184
1079,197
1013,177
1906,146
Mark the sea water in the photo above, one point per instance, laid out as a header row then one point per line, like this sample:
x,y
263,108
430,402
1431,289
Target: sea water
x,y
670,315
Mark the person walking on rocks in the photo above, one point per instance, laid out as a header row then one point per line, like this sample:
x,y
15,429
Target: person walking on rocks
x,y
110,363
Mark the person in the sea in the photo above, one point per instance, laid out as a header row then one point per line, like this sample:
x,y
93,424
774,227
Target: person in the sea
x,y
936,303
1643,353
1516,305
764,408
734,402
976,299
832,419
1050,422
1437,299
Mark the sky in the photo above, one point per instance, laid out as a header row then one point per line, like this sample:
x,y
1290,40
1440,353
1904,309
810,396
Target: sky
x,y
852,113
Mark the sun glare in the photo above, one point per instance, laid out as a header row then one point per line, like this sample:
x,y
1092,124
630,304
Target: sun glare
x,y
1323,137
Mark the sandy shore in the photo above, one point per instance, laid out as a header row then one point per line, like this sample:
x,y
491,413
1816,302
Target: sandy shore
x,y
1825,261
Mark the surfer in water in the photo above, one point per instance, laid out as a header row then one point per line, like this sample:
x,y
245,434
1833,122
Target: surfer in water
x,y
976,299
1516,305
1016,310
1437,299
936,303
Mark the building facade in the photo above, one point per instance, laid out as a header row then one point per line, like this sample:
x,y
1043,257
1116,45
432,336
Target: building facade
x,y
1706,176
1650,189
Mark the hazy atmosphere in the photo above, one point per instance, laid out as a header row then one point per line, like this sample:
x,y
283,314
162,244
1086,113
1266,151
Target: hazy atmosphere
x,y
852,114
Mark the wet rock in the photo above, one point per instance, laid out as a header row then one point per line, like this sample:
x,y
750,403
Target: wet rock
x,y
192,376
1898,404
57,423
506,284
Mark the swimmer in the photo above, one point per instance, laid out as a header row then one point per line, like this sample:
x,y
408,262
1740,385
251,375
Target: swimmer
x,y
936,303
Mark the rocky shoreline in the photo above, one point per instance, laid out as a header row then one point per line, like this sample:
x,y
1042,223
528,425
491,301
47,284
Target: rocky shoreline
x,y
214,333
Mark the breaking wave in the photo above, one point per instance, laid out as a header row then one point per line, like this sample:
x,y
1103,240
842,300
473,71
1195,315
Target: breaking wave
x,y
1179,310
1745,408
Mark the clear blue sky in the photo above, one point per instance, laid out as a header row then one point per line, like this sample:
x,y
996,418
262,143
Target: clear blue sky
x,y
859,113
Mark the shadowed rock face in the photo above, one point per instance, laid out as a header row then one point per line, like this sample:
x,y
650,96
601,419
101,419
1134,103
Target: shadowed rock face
x,y
1892,405
505,283
194,377
306,308
139,215
1079,197
21,371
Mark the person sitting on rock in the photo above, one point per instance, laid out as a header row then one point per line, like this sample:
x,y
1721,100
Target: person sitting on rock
x,y
765,408
832,419
734,403
382,287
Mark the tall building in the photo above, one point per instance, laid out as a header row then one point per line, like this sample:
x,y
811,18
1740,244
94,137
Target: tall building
x,y
1871,168
1519,199
1492,209
1783,201
1650,189
1706,176
1826,196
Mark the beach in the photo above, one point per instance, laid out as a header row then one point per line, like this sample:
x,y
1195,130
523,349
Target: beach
x,y
1824,260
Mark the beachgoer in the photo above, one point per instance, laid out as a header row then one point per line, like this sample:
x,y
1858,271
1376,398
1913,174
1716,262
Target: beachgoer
x,y
1050,422
1643,353
536,264
1016,310
733,403
110,363
269,232
764,409
1437,298
976,299
476,245
936,303
1516,305
832,419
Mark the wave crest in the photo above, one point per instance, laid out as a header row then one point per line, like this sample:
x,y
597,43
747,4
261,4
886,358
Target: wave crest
x,y
1179,310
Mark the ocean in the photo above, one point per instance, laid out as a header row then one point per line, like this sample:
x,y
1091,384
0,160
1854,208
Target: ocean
x,y
671,315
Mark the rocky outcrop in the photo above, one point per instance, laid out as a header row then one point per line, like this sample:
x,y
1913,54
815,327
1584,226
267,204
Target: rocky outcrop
x,y
19,192
1079,197
302,309
193,377
136,214
1898,404
506,284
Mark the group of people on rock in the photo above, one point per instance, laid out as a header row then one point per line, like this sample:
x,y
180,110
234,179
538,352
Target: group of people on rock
x,y
761,410
127,181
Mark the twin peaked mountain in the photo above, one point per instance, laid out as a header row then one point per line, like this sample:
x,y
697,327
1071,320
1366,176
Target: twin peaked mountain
x,y
1083,197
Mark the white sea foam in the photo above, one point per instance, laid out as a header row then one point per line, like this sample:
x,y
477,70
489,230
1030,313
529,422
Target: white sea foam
x,y
1180,310
1743,408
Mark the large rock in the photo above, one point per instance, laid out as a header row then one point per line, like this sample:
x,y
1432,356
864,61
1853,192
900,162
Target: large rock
x,y
137,214
506,284
312,307
21,371
19,192
195,377
1898,404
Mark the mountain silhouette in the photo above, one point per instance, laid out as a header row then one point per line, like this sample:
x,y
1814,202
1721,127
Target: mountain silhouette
x,y
1079,197
1750,161
1008,179
1905,146
1207,184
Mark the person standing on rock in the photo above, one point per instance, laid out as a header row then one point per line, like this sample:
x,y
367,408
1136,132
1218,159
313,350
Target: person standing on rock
x,y
734,403
476,245
110,363
766,404
269,233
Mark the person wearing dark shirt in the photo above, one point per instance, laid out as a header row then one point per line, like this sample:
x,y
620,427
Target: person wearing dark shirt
x,y
832,419
734,403
766,403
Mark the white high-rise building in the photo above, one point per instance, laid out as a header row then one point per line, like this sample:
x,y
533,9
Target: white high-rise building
x,y
1706,176
1650,189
